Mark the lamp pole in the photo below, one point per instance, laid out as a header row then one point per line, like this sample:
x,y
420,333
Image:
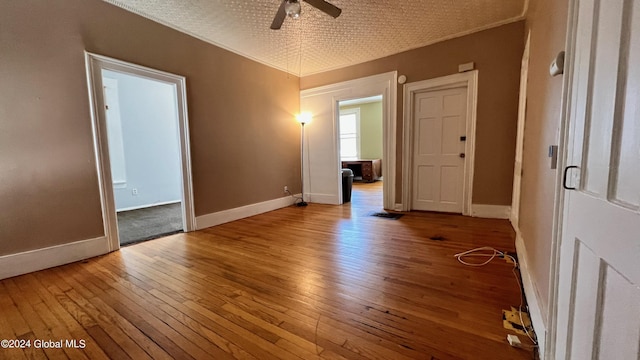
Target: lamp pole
x,y
302,203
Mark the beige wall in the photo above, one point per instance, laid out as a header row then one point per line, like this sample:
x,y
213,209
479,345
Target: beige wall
x,y
244,140
370,129
547,21
497,53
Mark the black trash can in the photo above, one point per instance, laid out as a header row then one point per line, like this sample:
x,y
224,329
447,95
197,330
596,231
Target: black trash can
x,y
347,183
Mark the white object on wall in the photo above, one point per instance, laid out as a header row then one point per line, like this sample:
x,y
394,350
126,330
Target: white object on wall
x,y
466,67
557,65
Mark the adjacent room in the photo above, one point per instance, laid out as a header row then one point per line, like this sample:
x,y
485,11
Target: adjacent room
x,y
335,179
360,123
144,155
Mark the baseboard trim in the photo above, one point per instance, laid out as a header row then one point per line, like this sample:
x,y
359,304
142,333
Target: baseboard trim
x,y
535,312
323,199
490,211
225,216
40,259
148,206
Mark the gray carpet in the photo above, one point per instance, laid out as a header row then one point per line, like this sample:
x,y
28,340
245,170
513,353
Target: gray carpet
x,y
149,223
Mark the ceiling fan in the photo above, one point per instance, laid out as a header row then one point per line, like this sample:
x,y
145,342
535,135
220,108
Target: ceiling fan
x,y
292,8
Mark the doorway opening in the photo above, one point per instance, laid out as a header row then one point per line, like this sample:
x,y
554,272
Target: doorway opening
x,y
322,159
360,128
141,140
144,155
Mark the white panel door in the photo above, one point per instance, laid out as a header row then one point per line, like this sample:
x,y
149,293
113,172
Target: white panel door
x,y
439,122
598,313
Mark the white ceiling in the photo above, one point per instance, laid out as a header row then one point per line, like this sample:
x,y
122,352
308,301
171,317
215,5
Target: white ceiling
x,y
366,29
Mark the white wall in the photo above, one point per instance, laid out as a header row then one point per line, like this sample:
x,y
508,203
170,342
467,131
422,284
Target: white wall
x,y
148,115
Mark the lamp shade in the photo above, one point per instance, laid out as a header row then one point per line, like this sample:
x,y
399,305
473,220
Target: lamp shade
x,y
304,117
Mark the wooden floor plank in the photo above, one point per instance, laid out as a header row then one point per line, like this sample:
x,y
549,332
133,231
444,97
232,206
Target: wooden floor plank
x,y
40,330
76,331
315,282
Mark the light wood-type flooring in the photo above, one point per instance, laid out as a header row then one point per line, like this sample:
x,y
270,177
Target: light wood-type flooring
x,y
319,282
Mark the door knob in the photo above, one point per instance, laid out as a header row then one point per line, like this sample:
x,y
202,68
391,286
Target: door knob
x,y
462,155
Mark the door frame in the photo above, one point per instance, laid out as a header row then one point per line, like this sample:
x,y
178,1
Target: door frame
x,y
94,66
549,350
514,217
330,96
470,81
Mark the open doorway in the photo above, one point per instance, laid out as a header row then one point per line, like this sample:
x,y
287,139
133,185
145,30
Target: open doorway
x,y
141,140
144,155
360,124
322,164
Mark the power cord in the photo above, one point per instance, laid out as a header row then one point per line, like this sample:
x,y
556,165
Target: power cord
x,y
298,199
491,253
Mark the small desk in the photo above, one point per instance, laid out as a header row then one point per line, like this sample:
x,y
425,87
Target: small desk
x,y
370,170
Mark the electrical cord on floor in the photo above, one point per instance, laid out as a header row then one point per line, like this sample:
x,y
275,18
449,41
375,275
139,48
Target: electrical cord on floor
x,y
491,253
298,199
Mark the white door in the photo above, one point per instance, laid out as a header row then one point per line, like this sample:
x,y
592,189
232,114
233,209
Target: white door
x,y
598,309
439,125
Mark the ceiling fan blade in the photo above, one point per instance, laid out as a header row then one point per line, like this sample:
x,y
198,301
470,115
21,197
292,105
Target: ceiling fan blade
x,y
279,18
325,7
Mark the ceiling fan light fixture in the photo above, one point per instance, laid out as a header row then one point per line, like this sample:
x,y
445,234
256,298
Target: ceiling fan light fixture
x,y
292,8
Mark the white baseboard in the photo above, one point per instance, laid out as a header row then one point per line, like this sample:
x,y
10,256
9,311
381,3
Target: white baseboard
x,y
535,312
148,205
40,259
490,211
323,199
225,216
398,207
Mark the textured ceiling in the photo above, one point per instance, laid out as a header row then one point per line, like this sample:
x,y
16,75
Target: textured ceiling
x,y
366,29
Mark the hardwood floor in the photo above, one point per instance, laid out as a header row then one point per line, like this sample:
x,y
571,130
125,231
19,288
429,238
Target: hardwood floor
x,y
319,282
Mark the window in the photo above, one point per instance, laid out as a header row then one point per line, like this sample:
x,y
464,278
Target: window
x,y
350,134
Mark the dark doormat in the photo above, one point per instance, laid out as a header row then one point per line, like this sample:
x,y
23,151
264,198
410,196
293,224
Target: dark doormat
x,y
386,215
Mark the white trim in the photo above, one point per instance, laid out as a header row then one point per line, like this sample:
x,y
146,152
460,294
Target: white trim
x,y
470,81
323,198
148,206
356,112
549,351
522,117
40,259
361,101
531,294
490,211
94,66
397,207
225,216
385,84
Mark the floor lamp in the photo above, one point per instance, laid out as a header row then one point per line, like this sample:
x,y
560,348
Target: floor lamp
x,y
303,118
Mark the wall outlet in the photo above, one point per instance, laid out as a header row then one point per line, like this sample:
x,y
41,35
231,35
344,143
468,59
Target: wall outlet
x,y
286,188
514,341
134,191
